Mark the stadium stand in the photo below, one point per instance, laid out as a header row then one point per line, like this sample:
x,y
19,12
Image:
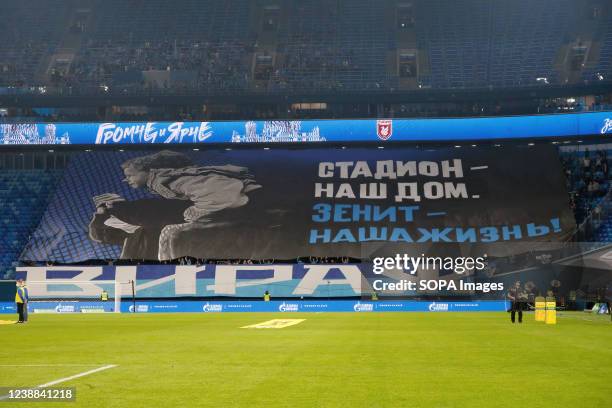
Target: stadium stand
x,y
589,182
497,43
602,34
208,45
340,49
24,195
604,233
23,52
205,39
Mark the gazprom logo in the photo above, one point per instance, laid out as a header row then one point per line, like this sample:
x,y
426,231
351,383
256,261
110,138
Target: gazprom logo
x,y
363,307
607,126
288,307
139,308
212,307
438,307
64,308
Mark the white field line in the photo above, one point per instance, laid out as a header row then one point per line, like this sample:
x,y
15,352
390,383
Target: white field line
x,y
49,365
72,377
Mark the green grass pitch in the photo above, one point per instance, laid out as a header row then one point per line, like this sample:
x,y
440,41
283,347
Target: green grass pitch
x,y
329,360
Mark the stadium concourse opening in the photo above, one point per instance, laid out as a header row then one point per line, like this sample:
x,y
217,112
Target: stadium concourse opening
x,y
306,203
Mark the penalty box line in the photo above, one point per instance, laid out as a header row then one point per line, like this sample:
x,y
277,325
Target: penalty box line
x,y
62,380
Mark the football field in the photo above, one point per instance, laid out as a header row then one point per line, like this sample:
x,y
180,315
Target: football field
x,y
326,360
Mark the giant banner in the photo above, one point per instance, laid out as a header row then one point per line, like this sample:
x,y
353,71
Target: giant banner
x,y
282,204
549,269
308,131
299,281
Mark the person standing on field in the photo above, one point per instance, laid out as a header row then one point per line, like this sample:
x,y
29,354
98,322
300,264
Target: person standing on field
x,y
21,300
517,299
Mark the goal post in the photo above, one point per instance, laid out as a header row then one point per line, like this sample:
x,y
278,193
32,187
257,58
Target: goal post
x,y
68,296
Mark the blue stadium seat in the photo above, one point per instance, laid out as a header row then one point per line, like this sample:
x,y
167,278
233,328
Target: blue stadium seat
x,y
24,195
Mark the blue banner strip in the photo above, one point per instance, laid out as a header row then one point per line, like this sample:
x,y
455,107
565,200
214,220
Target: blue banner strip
x,y
309,131
190,306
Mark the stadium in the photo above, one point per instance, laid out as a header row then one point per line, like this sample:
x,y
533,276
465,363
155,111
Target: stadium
x,y
306,203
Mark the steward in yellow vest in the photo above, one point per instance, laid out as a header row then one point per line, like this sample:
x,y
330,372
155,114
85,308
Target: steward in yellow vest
x,y
21,300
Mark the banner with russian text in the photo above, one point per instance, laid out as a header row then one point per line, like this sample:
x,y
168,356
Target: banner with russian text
x,y
283,204
572,125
